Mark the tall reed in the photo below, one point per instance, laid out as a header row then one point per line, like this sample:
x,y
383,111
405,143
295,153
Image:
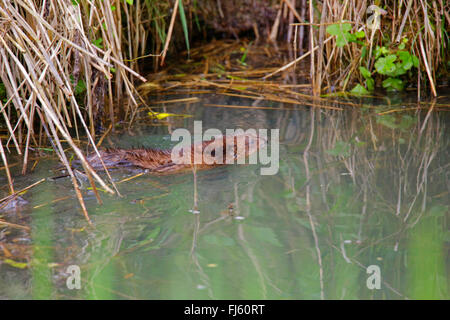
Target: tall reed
x,y
65,64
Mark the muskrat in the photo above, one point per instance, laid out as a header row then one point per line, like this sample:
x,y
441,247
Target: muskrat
x,y
161,161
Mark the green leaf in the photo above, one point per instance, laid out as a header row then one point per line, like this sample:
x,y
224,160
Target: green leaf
x,y
370,83
365,73
391,58
244,55
385,65
406,59
377,52
350,37
380,51
80,87
393,84
360,34
184,24
363,52
98,43
341,31
398,70
338,28
359,90
130,2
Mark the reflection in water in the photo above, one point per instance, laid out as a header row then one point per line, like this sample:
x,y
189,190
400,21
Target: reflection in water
x,y
355,188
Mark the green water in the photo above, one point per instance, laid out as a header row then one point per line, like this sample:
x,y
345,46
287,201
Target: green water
x,y
354,189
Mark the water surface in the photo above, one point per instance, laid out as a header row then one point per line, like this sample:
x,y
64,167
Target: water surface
x,y
355,188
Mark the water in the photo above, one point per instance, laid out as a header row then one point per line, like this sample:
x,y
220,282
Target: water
x,y
354,189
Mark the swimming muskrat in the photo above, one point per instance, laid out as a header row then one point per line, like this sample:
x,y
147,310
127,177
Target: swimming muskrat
x,y
160,161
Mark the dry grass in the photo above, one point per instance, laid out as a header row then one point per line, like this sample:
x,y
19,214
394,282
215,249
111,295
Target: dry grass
x,y
48,50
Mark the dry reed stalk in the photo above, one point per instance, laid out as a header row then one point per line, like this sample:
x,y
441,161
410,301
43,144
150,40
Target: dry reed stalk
x,y
427,66
292,9
169,32
311,49
14,225
44,54
12,196
320,55
8,174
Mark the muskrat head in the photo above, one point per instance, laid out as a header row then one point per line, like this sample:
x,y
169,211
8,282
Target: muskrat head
x,y
223,149
229,148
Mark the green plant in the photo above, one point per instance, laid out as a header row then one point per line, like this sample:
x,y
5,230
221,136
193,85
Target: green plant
x,y
394,63
184,24
369,81
343,35
244,55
